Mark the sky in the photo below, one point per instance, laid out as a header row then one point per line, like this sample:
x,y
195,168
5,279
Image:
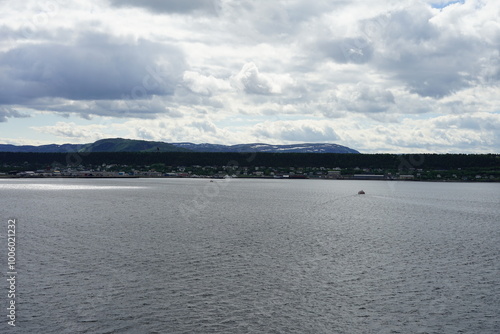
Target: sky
x,y
387,76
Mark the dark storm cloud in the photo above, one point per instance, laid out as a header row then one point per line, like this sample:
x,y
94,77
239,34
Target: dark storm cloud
x,y
171,6
6,112
95,68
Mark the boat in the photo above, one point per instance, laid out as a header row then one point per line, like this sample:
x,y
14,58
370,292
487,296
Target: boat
x,y
361,192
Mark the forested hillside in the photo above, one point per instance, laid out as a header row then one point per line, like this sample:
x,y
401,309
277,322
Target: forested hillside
x,y
327,160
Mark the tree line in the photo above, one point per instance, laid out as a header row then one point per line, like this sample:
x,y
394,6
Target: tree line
x,y
297,160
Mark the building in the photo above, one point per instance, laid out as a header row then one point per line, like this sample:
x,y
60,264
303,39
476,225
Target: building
x,y
368,177
333,174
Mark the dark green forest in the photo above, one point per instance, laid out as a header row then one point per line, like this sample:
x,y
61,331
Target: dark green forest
x,y
26,161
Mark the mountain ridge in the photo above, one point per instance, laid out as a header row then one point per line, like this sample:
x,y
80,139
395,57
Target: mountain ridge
x,y
133,145
269,148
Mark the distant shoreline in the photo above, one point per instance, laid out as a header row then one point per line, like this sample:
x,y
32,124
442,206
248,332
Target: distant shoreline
x,y
239,177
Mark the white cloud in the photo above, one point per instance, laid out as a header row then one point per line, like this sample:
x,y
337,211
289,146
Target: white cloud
x,y
205,85
251,81
450,133
71,132
296,131
178,130
364,98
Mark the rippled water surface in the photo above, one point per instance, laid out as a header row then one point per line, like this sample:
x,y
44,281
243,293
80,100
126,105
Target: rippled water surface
x,y
253,256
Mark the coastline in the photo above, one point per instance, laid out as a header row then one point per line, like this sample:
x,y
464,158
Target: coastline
x,y
243,177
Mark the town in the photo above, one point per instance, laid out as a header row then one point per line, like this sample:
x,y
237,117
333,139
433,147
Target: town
x,y
160,170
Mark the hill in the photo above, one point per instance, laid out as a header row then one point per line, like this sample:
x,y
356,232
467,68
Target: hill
x,y
266,148
103,145
131,145
52,148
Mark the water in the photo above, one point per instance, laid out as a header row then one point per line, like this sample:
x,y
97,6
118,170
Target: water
x,y
253,256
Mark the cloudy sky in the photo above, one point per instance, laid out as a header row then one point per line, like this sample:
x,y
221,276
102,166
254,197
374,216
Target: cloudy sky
x,y
377,76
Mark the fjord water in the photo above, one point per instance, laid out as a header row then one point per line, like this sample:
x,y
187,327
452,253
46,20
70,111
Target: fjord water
x,y
253,256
